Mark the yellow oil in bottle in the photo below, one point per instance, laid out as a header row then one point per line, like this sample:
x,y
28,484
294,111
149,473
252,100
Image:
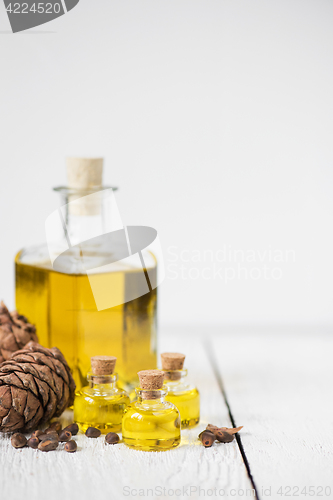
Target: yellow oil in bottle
x,y
184,396
151,426
63,308
188,404
99,409
101,404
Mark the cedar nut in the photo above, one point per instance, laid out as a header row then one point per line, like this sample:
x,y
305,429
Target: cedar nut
x,y
71,446
92,432
72,428
112,438
65,436
18,440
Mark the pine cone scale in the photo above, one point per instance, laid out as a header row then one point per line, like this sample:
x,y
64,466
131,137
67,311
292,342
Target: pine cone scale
x,y
31,407
7,367
29,368
6,354
15,332
19,399
60,370
43,390
11,379
9,342
22,335
42,372
63,402
3,413
5,398
42,359
50,408
28,382
13,420
37,420
4,318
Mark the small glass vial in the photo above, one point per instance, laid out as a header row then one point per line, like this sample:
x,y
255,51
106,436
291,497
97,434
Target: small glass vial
x,y
184,396
101,404
151,423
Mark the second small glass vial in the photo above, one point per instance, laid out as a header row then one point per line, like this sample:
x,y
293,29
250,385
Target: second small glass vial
x,y
183,395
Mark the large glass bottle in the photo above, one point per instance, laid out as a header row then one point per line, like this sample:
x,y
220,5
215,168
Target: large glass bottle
x,y
83,294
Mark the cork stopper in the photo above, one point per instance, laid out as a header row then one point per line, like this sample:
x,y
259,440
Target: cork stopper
x,y
150,382
172,364
103,365
84,173
172,360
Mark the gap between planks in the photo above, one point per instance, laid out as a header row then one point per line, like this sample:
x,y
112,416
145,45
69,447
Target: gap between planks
x,y
212,358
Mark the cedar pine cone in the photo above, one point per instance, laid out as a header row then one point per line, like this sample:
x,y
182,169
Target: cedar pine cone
x,y
15,332
35,385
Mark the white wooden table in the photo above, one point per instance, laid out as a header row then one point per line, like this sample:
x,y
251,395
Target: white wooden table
x,y
279,387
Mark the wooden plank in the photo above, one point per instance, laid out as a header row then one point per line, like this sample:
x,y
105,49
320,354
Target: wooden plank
x,y
102,471
280,388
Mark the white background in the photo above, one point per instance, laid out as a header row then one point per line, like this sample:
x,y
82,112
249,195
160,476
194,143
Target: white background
x,y
215,116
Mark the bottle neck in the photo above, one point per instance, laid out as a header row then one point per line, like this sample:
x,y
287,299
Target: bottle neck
x,y
102,383
175,377
78,233
87,213
151,398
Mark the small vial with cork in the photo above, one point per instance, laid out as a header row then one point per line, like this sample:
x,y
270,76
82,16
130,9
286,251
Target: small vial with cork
x,y
184,396
101,404
151,423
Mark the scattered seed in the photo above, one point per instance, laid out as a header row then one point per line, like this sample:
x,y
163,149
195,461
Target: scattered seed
x,y
51,430
224,437
18,440
223,434
65,436
112,438
33,442
207,438
37,433
212,428
48,445
229,430
51,436
71,446
92,432
56,426
232,430
72,428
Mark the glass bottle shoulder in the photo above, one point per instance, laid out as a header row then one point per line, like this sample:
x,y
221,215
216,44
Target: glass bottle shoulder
x,y
38,256
149,408
181,388
103,392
